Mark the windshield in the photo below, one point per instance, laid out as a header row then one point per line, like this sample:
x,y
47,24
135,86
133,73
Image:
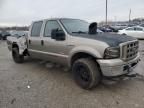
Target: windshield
x,y
75,25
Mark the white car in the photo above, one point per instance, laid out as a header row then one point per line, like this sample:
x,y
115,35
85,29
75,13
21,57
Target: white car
x,y
135,31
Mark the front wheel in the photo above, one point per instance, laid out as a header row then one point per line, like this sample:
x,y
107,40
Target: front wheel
x,y
86,73
16,56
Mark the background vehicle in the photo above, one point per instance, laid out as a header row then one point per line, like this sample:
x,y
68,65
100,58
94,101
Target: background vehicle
x,y
104,29
99,31
108,28
75,43
4,35
120,26
18,34
136,31
142,25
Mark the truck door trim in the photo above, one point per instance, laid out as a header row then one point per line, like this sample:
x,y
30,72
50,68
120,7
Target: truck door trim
x,y
48,53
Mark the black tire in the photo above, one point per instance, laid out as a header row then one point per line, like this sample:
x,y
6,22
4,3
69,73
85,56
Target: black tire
x,y
124,34
86,73
16,56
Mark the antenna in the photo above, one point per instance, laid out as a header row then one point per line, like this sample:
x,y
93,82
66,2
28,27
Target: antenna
x,y
106,11
130,16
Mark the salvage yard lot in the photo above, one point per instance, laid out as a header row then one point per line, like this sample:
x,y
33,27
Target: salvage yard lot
x,y
37,85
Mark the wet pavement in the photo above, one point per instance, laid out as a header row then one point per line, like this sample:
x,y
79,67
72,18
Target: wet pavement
x,y
35,84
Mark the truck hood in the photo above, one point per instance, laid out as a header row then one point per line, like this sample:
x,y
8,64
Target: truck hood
x,y
111,39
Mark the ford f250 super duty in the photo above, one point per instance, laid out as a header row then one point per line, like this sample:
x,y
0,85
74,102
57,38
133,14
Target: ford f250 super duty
x,y
77,44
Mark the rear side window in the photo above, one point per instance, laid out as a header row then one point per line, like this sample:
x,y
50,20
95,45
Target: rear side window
x,y
142,25
138,29
36,29
50,25
130,29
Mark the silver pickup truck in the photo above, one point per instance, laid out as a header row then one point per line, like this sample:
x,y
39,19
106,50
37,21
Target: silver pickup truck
x,y
77,44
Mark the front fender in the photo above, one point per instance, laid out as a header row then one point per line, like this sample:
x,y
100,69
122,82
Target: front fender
x,y
84,49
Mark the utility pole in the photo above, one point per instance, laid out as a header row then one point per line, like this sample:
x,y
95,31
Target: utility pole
x,y
130,16
106,11
115,20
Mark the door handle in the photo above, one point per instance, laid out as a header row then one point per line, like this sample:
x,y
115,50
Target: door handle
x,y
29,41
42,42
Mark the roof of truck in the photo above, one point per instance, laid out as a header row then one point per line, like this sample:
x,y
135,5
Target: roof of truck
x,y
53,19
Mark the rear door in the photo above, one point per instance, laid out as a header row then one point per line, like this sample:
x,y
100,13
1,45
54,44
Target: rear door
x,y
34,40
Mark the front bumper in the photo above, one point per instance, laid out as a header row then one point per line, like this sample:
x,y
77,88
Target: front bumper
x,y
117,67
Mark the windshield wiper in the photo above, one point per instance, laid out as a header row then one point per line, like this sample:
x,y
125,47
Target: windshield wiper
x,y
80,32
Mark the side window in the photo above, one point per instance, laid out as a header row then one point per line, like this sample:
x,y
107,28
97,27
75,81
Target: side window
x,y
142,25
138,29
36,29
50,25
130,29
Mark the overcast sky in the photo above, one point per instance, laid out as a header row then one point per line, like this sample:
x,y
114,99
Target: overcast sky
x,y
22,12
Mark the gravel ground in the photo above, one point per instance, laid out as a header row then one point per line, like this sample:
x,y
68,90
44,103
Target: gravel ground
x,y
37,85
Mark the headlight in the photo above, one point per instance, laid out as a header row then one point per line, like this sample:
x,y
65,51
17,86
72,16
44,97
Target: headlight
x,y
112,52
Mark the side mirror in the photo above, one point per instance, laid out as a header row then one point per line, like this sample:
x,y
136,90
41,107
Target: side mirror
x,y
93,28
57,34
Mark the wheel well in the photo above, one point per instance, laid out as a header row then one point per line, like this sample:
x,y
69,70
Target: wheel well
x,y
14,45
84,55
81,55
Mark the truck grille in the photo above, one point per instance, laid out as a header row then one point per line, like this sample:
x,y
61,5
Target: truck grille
x,y
129,50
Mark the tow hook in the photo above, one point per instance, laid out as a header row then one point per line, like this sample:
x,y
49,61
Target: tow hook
x,y
139,77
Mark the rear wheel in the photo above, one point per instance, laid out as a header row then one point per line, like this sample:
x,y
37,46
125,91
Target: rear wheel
x,y
86,73
16,56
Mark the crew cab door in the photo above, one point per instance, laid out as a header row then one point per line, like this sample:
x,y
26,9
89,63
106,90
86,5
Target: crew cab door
x,y
34,39
54,50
